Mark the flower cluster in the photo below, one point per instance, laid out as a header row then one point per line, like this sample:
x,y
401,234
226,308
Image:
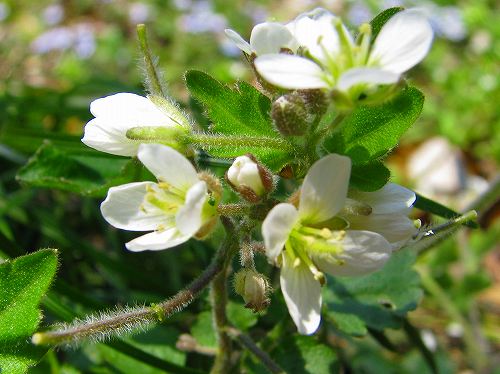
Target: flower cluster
x,y
317,51
326,226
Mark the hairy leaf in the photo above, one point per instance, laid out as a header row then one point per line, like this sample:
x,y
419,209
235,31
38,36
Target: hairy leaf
x,y
369,177
242,111
23,282
377,300
84,174
369,132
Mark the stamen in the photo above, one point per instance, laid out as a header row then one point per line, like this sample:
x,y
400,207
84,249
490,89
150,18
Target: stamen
x,y
364,40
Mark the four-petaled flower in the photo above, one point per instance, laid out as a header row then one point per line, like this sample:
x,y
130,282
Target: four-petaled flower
x,y
331,59
311,239
118,113
174,209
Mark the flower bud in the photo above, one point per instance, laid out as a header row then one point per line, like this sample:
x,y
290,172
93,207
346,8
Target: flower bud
x,y
249,178
253,287
290,115
315,100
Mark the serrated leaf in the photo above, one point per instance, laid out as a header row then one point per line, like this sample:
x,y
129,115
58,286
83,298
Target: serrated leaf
x,y
369,132
380,20
377,300
242,111
84,174
369,177
23,282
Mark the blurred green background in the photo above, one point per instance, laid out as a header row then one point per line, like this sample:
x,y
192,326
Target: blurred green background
x,y
57,56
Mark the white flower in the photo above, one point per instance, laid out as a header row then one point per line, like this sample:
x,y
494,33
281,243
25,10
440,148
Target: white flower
x,y
244,172
267,37
311,239
334,61
174,209
390,207
116,114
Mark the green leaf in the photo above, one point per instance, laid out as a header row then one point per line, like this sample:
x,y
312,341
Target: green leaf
x,y
241,317
377,300
85,174
203,330
23,282
379,21
369,132
298,354
158,342
440,210
369,177
242,111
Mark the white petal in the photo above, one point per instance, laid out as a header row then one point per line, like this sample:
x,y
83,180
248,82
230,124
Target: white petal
x,y
277,226
403,42
157,240
363,252
370,76
324,189
392,198
316,31
270,37
116,114
302,296
394,227
109,136
291,72
124,208
239,41
168,165
188,219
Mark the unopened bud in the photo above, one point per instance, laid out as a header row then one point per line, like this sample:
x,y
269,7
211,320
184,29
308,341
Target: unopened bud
x,y
290,115
253,287
315,101
249,178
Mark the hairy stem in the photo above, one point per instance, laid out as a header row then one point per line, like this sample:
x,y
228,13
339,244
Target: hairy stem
x,y
135,318
153,81
207,140
249,344
218,295
232,209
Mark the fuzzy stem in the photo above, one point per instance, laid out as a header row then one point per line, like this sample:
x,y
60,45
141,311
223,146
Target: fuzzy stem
x,y
249,344
207,140
218,295
232,209
137,317
153,81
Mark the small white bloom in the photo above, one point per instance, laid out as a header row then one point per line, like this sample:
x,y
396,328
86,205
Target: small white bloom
x,y
310,239
116,114
244,172
334,61
389,215
266,37
174,209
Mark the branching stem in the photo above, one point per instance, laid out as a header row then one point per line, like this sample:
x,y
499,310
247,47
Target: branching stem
x,y
133,318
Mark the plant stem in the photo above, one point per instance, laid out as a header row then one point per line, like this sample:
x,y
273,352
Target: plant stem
x,y
153,81
249,344
232,209
208,141
218,295
114,323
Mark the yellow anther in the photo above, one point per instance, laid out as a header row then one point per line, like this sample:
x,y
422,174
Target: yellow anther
x,y
296,262
325,233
